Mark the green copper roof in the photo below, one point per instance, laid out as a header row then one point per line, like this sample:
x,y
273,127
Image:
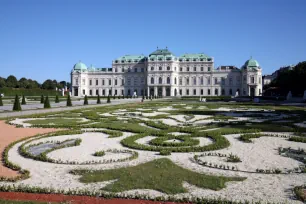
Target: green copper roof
x,y
91,68
79,66
131,58
194,57
251,63
161,52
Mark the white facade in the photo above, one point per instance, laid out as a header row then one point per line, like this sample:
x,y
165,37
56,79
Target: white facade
x,y
162,73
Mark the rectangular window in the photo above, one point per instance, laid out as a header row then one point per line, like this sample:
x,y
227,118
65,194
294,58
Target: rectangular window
x,y
135,69
135,81
195,69
202,80
103,92
187,69
97,82
208,92
181,81
202,69
109,82
122,92
187,81
252,79
194,81
181,92
123,69
90,82
103,83
216,80
97,92
208,81
122,82
194,92
115,91
77,81
181,69
83,91
90,92
208,69
115,82
187,92
128,81
202,92
223,80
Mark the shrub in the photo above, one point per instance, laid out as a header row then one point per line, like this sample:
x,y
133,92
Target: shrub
x,y
108,99
17,106
85,100
233,158
299,192
114,97
56,99
165,152
1,102
47,103
23,102
99,154
143,97
69,103
298,139
42,100
98,99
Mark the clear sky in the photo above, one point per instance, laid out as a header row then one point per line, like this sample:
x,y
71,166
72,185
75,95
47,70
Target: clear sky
x,y
42,39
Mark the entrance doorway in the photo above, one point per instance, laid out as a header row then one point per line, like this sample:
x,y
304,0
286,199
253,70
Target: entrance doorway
x,y
252,92
175,92
160,92
168,93
76,91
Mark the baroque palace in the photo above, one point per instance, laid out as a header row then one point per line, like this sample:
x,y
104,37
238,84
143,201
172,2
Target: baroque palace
x,y
164,74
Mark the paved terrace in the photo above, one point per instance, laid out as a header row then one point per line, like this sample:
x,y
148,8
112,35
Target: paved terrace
x,y
30,109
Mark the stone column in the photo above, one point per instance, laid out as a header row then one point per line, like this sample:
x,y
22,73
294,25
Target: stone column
x,y
155,91
148,91
164,91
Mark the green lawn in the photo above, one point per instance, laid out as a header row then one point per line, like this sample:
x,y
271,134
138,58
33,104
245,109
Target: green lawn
x,y
161,175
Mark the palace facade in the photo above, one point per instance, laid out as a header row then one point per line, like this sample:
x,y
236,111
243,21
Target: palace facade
x,y
163,73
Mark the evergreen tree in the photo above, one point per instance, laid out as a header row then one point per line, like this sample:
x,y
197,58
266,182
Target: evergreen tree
x,y
56,99
69,103
98,100
47,103
143,97
17,106
23,102
42,100
119,97
1,103
85,100
108,99
114,97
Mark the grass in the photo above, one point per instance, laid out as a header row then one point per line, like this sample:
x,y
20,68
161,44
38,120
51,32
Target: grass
x,y
161,175
247,137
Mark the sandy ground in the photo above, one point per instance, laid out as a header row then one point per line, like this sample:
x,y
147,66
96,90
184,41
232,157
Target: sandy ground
x,y
9,134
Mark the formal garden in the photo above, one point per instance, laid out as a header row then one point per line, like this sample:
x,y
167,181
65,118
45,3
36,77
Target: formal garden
x,y
176,150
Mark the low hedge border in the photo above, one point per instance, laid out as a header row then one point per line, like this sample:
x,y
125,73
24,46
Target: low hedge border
x,y
186,141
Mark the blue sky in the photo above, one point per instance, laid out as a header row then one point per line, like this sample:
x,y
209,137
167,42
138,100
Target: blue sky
x,y
42,39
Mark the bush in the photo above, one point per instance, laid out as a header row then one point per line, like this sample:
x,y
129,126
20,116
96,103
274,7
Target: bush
x,y
108,99
99,154
165,152
56,99
298,139
42,100
47,103
98,99
1,102
233,158
27,92
69,103
85,100
23,102
17,106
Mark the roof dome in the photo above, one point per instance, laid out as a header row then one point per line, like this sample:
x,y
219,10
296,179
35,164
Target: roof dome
x,y
80,66
251,63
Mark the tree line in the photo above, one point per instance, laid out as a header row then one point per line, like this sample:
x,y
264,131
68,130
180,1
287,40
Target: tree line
x,y
12,82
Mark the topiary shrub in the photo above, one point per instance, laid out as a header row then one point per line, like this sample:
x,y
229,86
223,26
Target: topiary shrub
x,y
69,103
114,97
23,102
108,99
98,99
42,99
85,100
17,106
99,154
165,152
1,102
56,99
47,103
143,97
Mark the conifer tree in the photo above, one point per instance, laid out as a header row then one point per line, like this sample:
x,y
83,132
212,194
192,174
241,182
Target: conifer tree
x,y
1,102
42,100
56,99
98,99
143,97
23,102
85,100
69,103
17,106
108,99
47,103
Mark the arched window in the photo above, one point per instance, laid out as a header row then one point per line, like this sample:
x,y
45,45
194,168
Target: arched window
x,y
202,80
160,68
216,92
187,81
175,80
160,80
168,80
194,81
181,82
168,68
152,80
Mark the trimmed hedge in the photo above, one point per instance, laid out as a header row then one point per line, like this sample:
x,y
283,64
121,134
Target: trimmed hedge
x,y
27,92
